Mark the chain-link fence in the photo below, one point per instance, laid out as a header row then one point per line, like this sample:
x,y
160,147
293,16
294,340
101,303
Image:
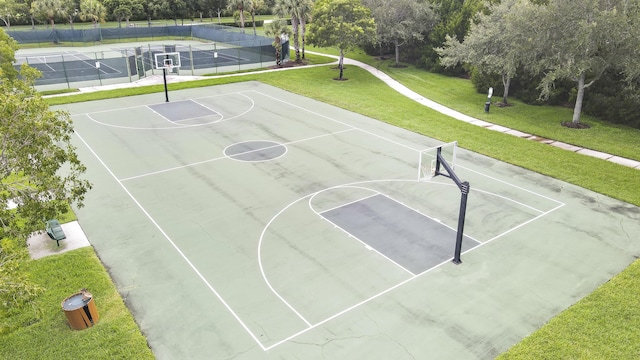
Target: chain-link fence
x,y
225,50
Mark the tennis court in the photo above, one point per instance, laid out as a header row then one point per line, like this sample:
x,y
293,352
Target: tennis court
x,y
242,221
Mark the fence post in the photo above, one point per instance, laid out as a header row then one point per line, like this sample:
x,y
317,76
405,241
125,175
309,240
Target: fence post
x,y
191,59
98,68
126,61
64,68
151,59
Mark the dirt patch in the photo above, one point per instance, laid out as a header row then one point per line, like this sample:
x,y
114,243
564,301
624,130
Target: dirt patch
x,y
573,125
289,64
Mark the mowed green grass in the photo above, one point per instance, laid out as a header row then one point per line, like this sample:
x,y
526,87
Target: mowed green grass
x,y
615,333
115,336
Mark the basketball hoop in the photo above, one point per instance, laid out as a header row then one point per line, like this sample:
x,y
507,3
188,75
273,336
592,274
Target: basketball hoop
x,y
167,62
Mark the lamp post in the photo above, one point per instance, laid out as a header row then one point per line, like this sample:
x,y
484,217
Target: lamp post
x,y
215,59
487,104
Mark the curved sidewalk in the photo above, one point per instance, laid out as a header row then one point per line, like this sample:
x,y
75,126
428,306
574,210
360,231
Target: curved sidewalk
x,y
462,117
408,93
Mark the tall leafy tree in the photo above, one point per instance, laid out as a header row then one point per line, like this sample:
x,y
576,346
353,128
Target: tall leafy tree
x,y
580,40
47,10
454,19
150,8
39,168
277,29
92,10
124,9
343,24
208,7
399,21
494,43
12,9
39,171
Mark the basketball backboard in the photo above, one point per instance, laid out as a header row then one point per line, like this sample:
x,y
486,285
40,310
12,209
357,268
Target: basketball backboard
x,y
430,166
167,61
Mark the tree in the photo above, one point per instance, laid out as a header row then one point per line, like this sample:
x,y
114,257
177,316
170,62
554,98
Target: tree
x,y
493,44
47,10
11,9
150,8
277,28
253,6
125,9
298,11
238,5
8,48
206,6
454,19
343,24
39,169
70,11
399,21
92,10
304,13
580,40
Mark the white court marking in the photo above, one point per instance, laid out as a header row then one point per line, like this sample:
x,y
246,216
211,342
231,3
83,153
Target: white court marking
x,y
177,126
310,326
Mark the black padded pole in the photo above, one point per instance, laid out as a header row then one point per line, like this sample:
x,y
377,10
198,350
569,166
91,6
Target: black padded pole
x,y
463,211
164,76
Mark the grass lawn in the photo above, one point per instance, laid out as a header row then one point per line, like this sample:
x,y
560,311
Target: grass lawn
x,y
575,333
115,336
543,121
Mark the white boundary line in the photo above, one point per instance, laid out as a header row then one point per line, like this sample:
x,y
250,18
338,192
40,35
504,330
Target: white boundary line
x,y
414,276
337,121
276,145
226,157
177,122
178,126
366,246
512,185
309,325
350,202
164,234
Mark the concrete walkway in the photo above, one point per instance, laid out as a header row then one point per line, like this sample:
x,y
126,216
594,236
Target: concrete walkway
x,y
462,117
157,79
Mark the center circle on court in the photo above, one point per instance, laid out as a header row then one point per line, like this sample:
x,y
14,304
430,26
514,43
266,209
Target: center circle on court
x,y
255,151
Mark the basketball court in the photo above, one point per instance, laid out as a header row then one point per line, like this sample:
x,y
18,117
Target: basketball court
x,y
242,221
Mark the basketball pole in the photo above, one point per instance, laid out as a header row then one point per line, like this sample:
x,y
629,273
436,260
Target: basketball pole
x,y
164,76
464,189
463,211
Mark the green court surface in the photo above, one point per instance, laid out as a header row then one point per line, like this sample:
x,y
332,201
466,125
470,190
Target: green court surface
x,y
245,222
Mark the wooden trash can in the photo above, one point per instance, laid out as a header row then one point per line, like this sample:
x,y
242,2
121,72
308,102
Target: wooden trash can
x,y
80,310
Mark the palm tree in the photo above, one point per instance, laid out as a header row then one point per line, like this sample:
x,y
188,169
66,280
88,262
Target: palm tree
x,y
253,7
299,11
69,10
285,8
47,10
93,10
277,28
238,5
306,7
